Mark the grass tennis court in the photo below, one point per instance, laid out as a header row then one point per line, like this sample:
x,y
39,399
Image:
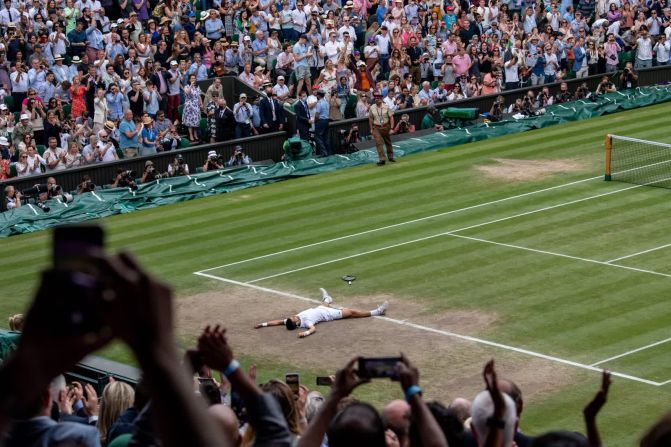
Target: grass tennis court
x,y
513,248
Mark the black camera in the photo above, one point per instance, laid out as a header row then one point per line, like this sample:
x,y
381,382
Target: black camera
x,y
87,186
129,174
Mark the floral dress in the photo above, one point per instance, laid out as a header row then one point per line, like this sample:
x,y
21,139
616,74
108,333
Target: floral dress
x,y
191,112
78,100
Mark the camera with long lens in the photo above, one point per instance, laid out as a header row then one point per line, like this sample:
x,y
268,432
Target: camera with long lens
x,y
128,179
87,186
37,190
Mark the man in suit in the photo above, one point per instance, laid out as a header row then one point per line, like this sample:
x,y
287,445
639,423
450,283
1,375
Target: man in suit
x,y
303,117
40,429
225,121
271,111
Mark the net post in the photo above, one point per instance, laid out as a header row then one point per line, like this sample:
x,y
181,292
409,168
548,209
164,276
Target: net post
x,y
609,147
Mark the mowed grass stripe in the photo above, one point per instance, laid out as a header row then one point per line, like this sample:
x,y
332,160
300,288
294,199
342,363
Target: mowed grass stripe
x,y
581,226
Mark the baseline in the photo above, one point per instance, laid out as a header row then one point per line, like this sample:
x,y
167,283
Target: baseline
x,y
440,332
633,351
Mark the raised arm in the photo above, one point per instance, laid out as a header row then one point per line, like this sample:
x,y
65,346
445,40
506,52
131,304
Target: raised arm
x,y
592,409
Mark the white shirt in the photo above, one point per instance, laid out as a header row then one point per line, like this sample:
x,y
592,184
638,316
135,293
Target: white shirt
x,y
383,44
332,48
317,315
52,154
110,155
511,72
644,49
348,29
300,20
662,49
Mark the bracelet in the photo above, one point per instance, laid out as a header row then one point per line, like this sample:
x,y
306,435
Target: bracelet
x,y
411,391
264,324
231,368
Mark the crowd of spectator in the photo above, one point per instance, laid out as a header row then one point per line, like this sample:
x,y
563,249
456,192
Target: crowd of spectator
x,y
125,74
204,398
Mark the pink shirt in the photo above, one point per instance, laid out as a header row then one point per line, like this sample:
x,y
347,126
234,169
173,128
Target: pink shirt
x,y
461,64
449,47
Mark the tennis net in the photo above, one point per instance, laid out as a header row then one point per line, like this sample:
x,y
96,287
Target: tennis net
x,y
641,162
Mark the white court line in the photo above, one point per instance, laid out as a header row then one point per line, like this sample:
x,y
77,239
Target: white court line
x,y
407,222
561,255
633,351
440,332
664,383
639,253
451,232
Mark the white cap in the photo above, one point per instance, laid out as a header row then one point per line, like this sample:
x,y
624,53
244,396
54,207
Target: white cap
x,y
4,141
25,116
173,63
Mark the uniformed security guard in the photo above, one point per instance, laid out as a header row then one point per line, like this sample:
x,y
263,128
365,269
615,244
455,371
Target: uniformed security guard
x,y
381,120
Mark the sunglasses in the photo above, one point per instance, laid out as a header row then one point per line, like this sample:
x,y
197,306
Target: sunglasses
x,y
24,156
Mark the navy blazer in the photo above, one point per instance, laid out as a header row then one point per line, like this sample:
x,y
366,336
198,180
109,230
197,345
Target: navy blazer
x,y
266,112
43,431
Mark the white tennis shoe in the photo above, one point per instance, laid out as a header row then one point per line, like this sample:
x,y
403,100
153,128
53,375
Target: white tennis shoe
x,y
382,308
325,296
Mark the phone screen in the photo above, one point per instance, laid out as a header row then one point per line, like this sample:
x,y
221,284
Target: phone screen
x,y
324,381
379,367
73,243
292,380
74,280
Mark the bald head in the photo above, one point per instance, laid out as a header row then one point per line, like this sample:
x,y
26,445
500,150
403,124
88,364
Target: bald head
x,y
461,408
227,420
396,417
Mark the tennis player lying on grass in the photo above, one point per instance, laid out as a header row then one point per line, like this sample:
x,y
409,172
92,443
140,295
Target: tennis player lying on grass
x,y
308,319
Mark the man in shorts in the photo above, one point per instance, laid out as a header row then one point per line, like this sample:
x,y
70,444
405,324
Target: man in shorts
x,y
302,53
308,319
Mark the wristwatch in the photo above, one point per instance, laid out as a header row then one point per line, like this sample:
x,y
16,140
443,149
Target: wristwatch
x,y
495,423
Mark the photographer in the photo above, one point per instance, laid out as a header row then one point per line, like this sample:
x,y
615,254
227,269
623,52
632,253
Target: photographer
x,y
351,138
564,95
605,86
496,112
124,179
149,173
239,158
432,119
12,198
544,98
404,125
628,78
86,185
213,162
528,108
178,167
